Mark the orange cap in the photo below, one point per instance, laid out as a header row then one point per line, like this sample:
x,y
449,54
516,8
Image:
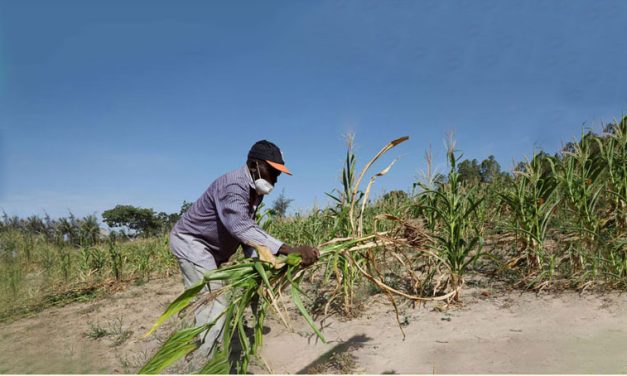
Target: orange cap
x,y
279,167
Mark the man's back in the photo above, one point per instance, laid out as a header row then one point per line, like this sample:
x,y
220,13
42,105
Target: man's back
x,y
222,219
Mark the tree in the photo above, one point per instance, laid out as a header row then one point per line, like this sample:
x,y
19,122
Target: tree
x,y
142,221
280,205
185,207
89,230
469,171
166,221
67,230
395,196
490,170
35,225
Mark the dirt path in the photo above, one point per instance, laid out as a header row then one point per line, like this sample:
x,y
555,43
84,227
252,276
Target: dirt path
x,y
503,333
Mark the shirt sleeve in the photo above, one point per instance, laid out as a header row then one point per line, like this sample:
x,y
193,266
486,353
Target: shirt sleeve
x,y
233,211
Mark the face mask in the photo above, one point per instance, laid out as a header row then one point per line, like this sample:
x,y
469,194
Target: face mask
x,y
262,186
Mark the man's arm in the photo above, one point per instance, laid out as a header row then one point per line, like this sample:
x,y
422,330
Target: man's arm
x,y
232,208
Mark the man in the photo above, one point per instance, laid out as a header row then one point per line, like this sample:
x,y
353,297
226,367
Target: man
x,y
210,231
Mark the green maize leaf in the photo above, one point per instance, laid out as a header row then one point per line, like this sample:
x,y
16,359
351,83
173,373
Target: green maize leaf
x,y
261,316
340,246
437,210
295,291
293,259
548,214
245,343
246,283
230,273
333,197
218,364
474,258
264,276
176,347
473,206
226,331
243,304
178,304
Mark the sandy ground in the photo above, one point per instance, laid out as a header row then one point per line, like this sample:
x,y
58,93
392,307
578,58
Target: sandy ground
x,y
491,332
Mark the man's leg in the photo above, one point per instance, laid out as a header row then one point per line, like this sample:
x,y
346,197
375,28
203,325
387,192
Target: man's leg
x,y
206,313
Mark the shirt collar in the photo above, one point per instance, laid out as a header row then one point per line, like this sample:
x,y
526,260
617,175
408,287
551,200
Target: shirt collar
x,y
249,177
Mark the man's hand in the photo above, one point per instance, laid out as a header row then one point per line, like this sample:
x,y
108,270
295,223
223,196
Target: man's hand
x,y
309,254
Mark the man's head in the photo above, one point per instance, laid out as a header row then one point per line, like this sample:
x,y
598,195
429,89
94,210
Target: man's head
x,y
267,151
265,161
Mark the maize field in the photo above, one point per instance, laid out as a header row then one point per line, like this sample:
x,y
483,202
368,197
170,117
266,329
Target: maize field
x,y
556,222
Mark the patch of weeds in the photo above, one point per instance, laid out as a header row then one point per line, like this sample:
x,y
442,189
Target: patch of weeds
x,y
121,334
53,300
14,314
96,331
340,362
113,328
70,296
122,337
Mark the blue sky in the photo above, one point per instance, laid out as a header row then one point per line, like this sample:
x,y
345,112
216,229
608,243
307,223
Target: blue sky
x,y
146,102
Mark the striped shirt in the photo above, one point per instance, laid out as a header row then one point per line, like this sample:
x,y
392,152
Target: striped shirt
x,y
222,219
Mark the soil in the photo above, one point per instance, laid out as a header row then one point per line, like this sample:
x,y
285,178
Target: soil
x,y
490,332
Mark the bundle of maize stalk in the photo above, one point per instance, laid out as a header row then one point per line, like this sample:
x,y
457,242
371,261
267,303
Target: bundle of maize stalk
x,y
251,280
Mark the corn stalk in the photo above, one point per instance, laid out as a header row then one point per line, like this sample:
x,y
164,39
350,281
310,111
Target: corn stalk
x,y
531,204
350,214
455,237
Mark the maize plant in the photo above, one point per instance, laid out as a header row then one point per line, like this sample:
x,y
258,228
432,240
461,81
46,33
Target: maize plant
x,y
455,237
344,198
577,174
613,150
531,203
427,197
349,215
